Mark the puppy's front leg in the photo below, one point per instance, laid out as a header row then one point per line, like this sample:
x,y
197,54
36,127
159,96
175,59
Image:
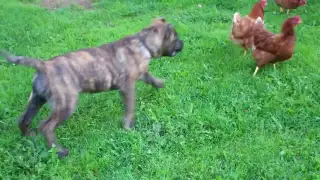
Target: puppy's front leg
x,y
128,95
149,79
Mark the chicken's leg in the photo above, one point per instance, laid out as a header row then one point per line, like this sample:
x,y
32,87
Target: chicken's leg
x,y
288,11
255,72
274,65
281,9
245,52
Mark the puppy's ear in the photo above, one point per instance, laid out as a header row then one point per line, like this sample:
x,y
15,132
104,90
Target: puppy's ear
x,y
160,20
170,26
169,30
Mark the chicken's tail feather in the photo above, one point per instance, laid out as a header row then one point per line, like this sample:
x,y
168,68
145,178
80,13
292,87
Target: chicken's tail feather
x,y
253,47
259,20
236,17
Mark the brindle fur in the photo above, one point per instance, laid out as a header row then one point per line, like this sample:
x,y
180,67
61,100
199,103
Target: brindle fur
x,y
112,66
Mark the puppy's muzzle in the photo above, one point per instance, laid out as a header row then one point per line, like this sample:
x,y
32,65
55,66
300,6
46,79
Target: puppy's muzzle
x,y
178,47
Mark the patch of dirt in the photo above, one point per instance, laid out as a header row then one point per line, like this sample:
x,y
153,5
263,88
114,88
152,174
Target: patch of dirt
x,y
54,4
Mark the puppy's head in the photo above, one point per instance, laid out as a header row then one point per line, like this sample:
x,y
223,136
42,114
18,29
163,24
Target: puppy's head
x,y
162,39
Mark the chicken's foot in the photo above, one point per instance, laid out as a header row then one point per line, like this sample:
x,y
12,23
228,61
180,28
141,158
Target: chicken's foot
x,y
255,72
288,11
245,52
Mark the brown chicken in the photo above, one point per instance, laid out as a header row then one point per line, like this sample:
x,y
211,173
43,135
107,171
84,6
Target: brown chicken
x,y
290,4
272,48
242,27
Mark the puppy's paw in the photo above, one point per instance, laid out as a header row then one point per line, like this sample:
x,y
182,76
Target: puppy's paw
x,y
63,153
158,83
128,124
30,132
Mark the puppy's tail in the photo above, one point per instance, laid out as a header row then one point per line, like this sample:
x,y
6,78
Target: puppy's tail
x,y
29,62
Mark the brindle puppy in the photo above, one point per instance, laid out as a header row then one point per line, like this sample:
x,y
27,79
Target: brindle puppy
x,y
116,65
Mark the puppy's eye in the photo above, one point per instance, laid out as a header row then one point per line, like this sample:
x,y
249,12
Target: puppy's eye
x,y
175,34
167,35
155,30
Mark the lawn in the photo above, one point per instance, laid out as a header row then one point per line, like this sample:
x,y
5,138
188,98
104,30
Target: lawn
x,y
213,120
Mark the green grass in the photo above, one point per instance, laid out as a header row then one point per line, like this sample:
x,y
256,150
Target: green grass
x,y
212,121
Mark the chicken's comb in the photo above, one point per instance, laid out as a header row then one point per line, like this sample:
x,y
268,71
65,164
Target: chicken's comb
x,y
264,2
298,19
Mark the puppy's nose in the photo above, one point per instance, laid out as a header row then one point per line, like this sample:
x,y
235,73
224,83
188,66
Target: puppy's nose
x,y
181,44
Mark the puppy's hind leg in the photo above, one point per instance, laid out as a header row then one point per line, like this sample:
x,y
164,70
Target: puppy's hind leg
x,y
35,103
62,108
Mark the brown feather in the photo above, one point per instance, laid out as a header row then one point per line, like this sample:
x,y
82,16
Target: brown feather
x,y
271,48
290,4
242,28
